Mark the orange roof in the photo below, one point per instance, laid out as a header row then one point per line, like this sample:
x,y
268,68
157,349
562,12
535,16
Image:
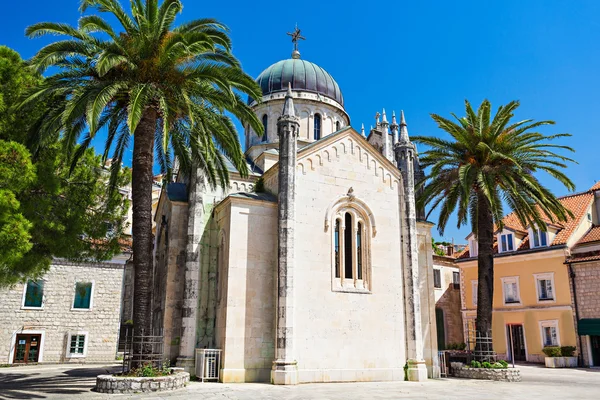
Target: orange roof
x,y
584,257
577,203
593,235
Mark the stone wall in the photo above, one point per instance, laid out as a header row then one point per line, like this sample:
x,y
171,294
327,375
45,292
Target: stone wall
x,y
449,301
587,282
116,384
56,319
490,374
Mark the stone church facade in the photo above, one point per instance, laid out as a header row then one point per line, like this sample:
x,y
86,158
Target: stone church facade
x,y
321,272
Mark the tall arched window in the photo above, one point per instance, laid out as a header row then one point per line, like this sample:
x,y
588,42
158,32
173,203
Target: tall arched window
x,y
337,248
348,270
359,263
265,122
337,126
317,134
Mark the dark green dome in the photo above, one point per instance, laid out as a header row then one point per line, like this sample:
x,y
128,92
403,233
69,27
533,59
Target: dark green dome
x,y
303,75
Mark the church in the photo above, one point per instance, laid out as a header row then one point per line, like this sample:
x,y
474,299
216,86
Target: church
x,y
317,267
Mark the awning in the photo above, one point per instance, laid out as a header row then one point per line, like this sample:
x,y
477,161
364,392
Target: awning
x,y
589,326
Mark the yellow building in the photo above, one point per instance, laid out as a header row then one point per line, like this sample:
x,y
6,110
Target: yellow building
x,y
532,304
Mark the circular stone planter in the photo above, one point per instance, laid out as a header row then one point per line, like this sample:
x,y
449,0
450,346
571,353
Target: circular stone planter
x,y
128,384
491,374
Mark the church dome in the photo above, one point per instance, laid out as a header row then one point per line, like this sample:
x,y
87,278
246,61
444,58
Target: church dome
x,y
303,75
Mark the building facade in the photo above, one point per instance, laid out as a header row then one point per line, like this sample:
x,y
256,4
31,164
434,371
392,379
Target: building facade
x,y
71,315
533,304
322,274
446,285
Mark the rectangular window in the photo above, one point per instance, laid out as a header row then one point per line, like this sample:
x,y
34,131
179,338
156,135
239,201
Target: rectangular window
x,y
456,280
506,242
540,238
550,333
475,287
437,278
83,295
511,290
77,345
545,286
473,248
34,294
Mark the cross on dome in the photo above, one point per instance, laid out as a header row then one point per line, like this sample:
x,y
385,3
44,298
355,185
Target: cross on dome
x,y
296,36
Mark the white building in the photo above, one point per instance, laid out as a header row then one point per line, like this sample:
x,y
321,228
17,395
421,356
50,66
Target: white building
x,y
324,276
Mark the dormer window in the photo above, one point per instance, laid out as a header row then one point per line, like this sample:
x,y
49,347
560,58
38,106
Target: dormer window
x,y
540,238
507,242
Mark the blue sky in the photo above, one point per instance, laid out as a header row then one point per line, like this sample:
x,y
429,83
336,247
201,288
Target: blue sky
x,y
423,57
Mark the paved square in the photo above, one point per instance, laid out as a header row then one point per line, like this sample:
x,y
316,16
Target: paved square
x,y
77,381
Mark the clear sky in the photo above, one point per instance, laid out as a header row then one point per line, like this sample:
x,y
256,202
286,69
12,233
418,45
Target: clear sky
x,y
420,56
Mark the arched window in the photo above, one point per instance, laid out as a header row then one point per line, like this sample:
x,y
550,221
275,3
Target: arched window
x,y
348,270
337,126
265,122
317,134
352,226
337,248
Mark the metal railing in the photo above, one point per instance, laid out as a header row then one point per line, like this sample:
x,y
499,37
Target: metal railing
x,y
141,349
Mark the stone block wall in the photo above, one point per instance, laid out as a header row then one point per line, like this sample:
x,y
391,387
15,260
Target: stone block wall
x,y
56,319
587,283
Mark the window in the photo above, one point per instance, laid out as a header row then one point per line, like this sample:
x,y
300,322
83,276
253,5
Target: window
x,y
317,133
265,122
83,296
337,248
545,286
474,289
510,287
33,296
506,242
456,280
77,344
540,238
549,330
337,125
589,217
473,247
350,250
437,278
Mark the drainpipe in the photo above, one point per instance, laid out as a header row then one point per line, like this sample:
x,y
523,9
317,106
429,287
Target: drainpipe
x,y
574,288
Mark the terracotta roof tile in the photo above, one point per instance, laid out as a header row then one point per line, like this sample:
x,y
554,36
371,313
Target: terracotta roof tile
x,y
582,257
593,235
596,186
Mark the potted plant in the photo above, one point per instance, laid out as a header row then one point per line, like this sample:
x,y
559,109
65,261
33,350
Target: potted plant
x,y
560,357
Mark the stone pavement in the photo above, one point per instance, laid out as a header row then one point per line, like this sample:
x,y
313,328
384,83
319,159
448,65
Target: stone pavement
x,y
77,381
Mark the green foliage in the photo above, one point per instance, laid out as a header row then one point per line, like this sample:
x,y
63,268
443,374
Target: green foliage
x,y
568,351
46,211
185,77
503,363
486,364
259,186
456,346
475,364
406,371
148,370
496,159
552,351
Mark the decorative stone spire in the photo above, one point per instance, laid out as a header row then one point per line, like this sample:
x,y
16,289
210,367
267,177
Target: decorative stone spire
x,y
285,369
362,131
385,136
288,106
394,128
403,128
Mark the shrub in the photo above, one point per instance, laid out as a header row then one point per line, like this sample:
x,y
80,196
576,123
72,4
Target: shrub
x,y
461,346
568,351
475,364
499,365
486,364
504,363
552,351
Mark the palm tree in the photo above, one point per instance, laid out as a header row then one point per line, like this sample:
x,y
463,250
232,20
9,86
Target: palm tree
x,y
167,86
490,163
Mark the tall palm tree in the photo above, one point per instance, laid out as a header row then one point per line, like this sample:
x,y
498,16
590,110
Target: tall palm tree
x,y
490,163
167,86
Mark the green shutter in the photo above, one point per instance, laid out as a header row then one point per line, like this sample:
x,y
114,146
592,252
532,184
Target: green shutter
x,y
589,326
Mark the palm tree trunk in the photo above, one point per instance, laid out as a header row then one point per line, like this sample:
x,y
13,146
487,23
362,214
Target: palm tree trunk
x,y
485,277
142,177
